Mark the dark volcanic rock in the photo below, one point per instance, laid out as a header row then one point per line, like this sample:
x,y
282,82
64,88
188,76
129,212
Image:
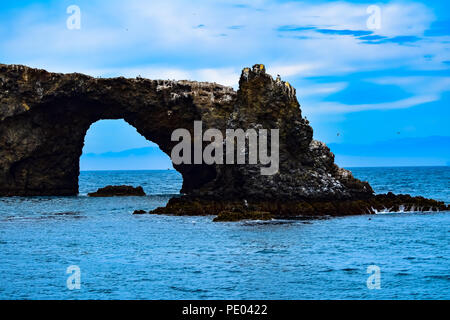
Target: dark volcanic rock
x,y
139,212
229,210
225,216
44,118
118,191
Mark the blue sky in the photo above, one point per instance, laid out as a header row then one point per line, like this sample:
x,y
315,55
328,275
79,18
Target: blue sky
x,y
357,85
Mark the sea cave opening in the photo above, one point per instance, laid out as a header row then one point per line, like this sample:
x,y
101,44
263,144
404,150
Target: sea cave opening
x,y
114,153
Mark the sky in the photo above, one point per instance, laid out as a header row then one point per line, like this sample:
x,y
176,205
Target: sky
x,y
366,73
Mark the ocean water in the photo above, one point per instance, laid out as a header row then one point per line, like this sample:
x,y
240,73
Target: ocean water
x,y
123,256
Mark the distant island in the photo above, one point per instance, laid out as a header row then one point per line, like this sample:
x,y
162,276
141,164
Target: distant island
x,y
428,151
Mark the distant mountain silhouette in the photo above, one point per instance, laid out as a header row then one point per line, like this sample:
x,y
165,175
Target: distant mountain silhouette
x,y
397,152
148,158
146,151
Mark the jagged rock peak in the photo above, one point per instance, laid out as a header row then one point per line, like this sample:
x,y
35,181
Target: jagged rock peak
x,y
259,70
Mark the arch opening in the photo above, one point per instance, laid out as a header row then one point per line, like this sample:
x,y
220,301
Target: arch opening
x,y
115,153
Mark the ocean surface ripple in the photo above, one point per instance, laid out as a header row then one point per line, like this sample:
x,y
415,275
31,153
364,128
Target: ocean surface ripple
x,y
122,256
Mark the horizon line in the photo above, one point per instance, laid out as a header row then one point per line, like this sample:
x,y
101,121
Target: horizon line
x,y
345,167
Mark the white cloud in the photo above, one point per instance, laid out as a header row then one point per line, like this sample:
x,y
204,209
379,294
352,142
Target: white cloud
x,y
293,69
306,90
135,29
335,107
193,40
400,19
417,84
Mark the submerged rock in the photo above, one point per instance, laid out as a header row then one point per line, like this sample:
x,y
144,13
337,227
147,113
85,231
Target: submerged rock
x,y
139,212
297,209
118,191
228,216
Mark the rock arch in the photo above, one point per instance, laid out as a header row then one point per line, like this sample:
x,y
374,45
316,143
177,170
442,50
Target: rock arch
x,y
44,118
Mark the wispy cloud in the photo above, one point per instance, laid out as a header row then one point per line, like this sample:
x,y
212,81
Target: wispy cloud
x,y
335,107
212,41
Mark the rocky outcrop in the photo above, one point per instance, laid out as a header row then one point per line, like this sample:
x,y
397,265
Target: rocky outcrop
x,y
227,210
118,191
231,216
44,118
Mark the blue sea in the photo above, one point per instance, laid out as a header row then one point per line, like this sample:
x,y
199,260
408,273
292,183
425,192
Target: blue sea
x,y
125,256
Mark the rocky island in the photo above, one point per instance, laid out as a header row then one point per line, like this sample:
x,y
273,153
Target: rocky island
x,y
118,191
44,118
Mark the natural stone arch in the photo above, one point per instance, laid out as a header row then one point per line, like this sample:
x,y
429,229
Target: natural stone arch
x,y
44,124
44,118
